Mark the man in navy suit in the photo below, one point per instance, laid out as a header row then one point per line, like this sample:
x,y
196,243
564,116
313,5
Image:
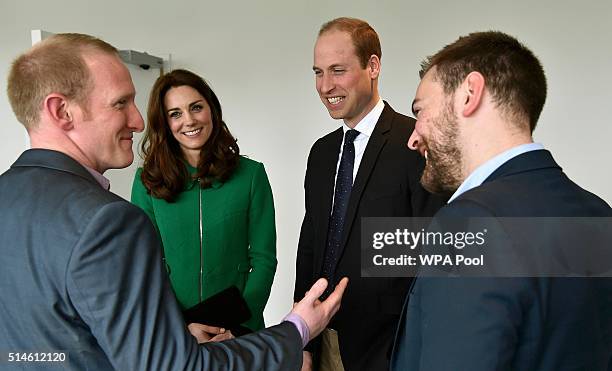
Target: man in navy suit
x,y
381,179
476,107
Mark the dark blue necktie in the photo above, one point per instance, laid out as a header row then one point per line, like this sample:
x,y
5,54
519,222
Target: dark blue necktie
x,y
344,184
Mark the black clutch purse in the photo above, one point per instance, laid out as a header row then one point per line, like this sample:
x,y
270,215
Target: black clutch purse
x,y
226,309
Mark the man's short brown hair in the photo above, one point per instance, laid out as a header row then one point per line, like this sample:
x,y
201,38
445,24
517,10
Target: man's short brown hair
x,y
55,65
513,74
365,39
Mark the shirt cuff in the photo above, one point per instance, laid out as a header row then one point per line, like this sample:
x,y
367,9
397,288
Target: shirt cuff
x,y
301,326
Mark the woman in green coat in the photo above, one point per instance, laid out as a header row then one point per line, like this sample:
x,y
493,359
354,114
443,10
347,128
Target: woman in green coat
x,y
213,208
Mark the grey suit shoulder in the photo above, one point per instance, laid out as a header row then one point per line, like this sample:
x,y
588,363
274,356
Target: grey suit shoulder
x,y
83,274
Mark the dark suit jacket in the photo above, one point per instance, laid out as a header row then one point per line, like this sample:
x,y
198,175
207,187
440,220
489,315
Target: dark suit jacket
x,y
82,273
387,184
521,324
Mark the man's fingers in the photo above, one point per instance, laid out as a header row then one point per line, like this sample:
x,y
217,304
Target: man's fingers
x,y
316,290
333,301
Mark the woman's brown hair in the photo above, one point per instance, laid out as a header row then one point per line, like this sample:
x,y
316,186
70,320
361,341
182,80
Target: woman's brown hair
x,y
165,173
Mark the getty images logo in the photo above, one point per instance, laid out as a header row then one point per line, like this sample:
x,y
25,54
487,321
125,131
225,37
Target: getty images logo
x,y
410,239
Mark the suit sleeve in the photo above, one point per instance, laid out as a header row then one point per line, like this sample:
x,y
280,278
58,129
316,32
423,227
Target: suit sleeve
x,y
262,242
468,323
116,281
474,320
304,275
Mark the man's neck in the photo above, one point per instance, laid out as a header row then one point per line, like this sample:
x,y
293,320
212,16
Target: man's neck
x,y
488,136
482,151
370,106
60,143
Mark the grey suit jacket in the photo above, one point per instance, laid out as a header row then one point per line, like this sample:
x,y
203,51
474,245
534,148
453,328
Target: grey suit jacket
x,y
526,324
81,272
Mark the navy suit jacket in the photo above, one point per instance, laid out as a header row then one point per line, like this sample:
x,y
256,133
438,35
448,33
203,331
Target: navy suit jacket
x,y
82,273
543,324
387,184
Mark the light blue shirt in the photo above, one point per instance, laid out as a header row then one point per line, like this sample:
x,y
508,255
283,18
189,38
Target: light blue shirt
x,y
483,171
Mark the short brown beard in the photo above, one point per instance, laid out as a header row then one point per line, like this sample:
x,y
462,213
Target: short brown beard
x,y
442,173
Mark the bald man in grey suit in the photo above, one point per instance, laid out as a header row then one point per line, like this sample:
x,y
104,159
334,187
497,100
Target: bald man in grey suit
x,y
82,275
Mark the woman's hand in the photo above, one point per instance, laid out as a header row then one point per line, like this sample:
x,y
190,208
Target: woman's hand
x,y
205,333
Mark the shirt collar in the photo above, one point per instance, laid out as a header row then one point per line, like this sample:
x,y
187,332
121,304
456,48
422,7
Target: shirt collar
x,y
192,170
367,124
101,179
482,172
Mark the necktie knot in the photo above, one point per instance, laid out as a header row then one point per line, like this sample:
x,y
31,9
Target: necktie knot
x,y
349,136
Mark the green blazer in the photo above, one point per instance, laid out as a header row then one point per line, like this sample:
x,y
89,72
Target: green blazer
x,y
238,237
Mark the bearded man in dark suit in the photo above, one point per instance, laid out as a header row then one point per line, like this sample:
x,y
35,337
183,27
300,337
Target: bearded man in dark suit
x,y
476,107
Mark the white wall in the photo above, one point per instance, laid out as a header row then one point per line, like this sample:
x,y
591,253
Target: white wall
x,y
258,56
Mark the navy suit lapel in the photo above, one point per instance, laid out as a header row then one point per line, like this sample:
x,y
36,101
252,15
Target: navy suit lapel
x,y
368,161
528,161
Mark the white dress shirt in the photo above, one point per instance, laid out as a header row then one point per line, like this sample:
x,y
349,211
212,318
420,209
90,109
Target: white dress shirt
x,y
365,127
